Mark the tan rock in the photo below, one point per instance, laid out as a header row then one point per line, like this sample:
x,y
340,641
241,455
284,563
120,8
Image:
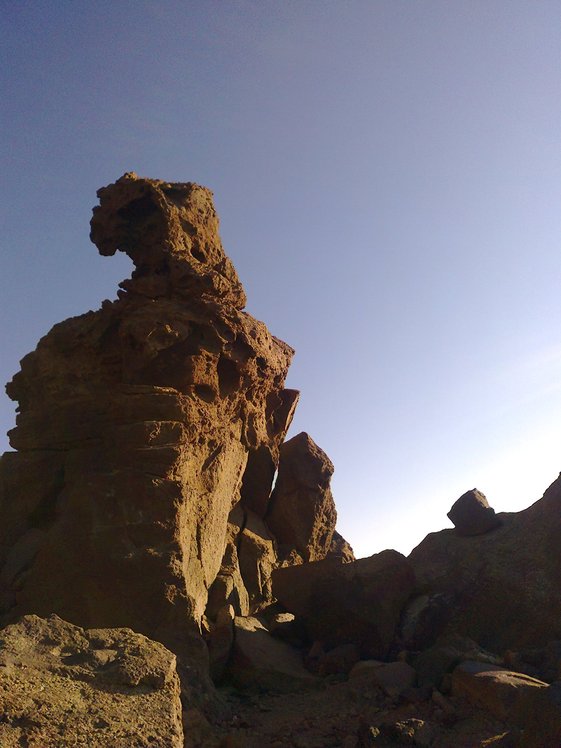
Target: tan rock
x,y
358,602
61,685
302,512
258,558
134,428
221,641
228,588
340,549
501,692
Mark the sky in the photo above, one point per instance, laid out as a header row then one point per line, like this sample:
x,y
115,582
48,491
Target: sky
x,y
388,177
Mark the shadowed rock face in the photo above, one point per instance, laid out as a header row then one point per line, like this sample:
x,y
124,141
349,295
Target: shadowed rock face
x,y
135,425
500,588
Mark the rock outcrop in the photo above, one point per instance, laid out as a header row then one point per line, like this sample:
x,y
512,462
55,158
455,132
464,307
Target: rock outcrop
x,y
358,602
61,685
140,427
500,588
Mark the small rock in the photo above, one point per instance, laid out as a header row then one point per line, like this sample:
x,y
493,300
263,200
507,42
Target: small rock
x,y
472,515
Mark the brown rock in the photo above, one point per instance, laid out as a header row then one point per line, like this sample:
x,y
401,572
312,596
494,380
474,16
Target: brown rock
x,y
228,588
503,693
261,662
221,641
358,602
393,677
340,549
472,515
63,685
501,588
170,232
134,428
338,661
448,652
302,512
257,560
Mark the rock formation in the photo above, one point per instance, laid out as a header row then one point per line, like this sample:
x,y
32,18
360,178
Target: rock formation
x,y
148,436
499,588
141,501
472,515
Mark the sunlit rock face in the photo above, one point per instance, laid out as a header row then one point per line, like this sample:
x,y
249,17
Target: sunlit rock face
x,y
135,425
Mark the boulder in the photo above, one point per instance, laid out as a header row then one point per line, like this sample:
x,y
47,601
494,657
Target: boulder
x,y
472,515
354,603
258,558
449,651
503,693
63,685
392,677
302,513
480,580
263,663
340,549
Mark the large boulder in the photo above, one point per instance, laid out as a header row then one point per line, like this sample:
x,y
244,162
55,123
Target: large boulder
x,y
302,514
263,663
500,588
472,515
61,685
134,429
354,603
505,694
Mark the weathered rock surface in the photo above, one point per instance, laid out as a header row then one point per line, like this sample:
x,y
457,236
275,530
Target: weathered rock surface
x,y
302,514
472,515
134,429
501,588
61,685
358,603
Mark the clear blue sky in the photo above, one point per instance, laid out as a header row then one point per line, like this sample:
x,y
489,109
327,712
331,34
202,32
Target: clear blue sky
x,y
388,176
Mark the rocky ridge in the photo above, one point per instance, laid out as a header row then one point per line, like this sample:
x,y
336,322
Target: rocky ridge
x,y
160,539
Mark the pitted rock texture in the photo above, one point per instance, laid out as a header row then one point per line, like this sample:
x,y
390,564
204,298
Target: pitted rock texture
x,y
61,685
135,426
170,231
